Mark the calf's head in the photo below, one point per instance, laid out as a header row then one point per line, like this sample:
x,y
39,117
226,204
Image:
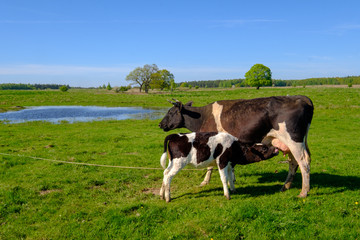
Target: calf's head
x,y
259,152
174,117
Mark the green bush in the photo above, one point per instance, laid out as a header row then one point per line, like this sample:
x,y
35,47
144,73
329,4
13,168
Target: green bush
x,y
64,88
122,89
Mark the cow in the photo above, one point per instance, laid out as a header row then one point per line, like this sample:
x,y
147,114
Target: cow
x,y
203,149
281,121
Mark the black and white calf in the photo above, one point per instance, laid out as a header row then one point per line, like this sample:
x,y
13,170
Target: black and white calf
x,y
205,149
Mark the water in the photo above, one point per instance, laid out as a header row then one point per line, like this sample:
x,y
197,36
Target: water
x,y
56,114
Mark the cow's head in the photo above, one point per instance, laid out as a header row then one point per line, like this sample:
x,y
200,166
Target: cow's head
x,y
262,152
174,117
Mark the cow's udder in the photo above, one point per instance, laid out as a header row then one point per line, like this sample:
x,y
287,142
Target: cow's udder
x,y
280,145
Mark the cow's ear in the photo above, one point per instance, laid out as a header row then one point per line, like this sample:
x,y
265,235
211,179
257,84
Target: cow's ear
x,y
189,104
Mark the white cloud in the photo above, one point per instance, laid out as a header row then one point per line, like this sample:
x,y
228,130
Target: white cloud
x,y
206,69
38,69
348,26
237,22
320,58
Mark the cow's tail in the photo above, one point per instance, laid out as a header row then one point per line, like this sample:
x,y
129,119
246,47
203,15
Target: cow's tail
x,y
309,116
164,155
305,140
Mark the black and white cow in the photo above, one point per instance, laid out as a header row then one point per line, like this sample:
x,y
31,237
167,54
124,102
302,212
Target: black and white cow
x,y
208,149
281,121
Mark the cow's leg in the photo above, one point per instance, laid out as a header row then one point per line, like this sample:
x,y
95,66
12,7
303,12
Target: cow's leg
x,y
207,176
293,166
302,157
224,179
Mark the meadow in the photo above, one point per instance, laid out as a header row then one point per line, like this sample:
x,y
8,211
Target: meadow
x,y
41,199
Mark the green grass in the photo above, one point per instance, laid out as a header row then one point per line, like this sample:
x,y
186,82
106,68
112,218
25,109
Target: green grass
x,y
48,200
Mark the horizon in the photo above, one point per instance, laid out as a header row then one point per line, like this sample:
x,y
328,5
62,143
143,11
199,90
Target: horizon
x,y
88,44
136,86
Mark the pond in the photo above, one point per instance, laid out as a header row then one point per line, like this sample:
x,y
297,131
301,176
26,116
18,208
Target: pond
x,y
71,114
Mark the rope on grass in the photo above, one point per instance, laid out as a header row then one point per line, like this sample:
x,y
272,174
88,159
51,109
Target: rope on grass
x,y
90,164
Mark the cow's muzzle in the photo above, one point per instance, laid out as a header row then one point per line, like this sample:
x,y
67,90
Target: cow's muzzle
x,y
166,129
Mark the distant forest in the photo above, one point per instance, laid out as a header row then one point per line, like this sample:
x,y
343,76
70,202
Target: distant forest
x,y
20,86
350,80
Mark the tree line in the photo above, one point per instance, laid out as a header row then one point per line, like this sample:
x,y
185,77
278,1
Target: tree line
x,y
151,77
21,86
228,83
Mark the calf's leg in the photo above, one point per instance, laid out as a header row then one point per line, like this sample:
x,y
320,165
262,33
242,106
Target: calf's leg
x,y
231,178
169,173
224,179
165,180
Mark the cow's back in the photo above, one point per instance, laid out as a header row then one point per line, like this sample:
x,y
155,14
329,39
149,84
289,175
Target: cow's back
x,y
251,119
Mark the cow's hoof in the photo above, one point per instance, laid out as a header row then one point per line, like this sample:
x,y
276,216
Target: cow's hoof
x,y
204,184
285,187
168,200
302,195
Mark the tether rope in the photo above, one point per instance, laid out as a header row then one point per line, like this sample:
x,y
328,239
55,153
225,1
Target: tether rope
x,y
90,164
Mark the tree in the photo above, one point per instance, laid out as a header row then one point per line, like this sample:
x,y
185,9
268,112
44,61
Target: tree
x,y
142,76
161,79
258,75
172,85
184,85
109,87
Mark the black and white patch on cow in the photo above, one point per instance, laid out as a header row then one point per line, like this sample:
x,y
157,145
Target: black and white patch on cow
x,y
209,149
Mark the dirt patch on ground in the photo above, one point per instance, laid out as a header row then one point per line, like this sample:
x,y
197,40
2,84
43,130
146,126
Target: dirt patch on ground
x,y
131,153
154,191
45,192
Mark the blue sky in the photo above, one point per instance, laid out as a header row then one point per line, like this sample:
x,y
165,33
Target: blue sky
x,y
90,43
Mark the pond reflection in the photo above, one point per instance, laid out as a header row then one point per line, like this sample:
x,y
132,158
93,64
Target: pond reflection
x,y
56,114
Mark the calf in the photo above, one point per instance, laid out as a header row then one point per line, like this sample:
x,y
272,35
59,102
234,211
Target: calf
x,y
203,149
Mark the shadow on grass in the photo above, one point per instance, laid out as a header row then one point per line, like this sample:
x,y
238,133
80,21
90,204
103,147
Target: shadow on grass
x,y
319,180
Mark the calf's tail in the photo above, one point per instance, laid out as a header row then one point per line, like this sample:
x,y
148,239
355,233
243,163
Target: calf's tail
x,y
163,160
164,155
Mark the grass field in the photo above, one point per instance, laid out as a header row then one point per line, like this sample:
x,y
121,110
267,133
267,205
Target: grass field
x,y
40,199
